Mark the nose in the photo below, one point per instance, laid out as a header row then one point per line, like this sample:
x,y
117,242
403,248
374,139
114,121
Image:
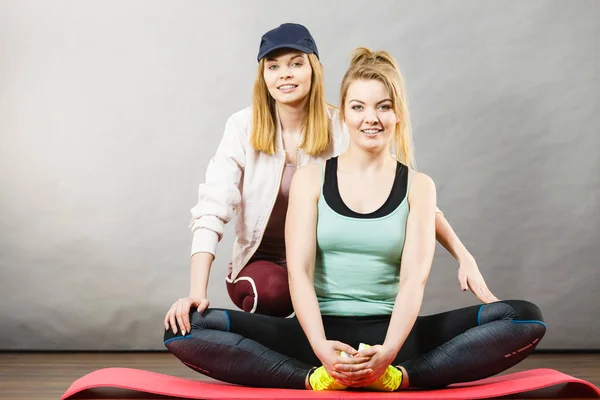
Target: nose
x,y
371,118
285,73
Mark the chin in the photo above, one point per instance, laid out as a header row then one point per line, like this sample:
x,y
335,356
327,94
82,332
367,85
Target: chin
x,y
373,147
292,100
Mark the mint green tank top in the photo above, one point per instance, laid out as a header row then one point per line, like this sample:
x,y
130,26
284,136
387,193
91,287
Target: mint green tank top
x,y
357,266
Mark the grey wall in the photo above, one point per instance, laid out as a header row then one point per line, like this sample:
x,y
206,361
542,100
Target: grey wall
x,y
110,111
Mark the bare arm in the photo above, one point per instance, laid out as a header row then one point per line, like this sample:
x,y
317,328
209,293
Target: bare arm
x,y
200,271
218,198
416,261
448,238
300,242
469,276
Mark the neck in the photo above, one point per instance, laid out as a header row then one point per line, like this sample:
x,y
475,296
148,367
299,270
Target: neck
x,y
358,160
291,116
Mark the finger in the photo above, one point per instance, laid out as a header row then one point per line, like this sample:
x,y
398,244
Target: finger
x,y
363,381
172,319
346,381
494,298
483,293
185,316
483,296
203,305
480,295
180,317
482,299
488,294
356,383
353,360
339,346
167,318
368,380
345,368
353,375
341,378
368,352
464,285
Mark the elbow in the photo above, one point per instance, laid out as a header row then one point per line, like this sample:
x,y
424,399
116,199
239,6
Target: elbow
x,y
415,284
416,281
298,274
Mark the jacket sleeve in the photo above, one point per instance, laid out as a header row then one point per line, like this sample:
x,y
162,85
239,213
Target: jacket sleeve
x,y
219,196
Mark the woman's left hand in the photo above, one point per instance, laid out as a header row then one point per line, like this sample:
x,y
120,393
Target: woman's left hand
x,y
470,278
379,358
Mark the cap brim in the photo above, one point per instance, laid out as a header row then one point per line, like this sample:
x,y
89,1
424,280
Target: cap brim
x,y
285,46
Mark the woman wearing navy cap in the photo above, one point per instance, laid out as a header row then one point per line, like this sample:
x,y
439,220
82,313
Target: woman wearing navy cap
x,y
288,125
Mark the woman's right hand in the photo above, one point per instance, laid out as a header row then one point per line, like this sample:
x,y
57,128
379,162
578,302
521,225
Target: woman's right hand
x,y
180,313
328,351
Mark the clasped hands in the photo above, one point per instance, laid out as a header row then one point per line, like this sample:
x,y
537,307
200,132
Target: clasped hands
x,y
360,369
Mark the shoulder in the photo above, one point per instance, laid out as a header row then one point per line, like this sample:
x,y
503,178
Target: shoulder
x,y
241,118
422,187
307,179
245,114
239,122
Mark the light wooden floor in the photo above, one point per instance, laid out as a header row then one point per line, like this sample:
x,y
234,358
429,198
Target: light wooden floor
x,y
35,376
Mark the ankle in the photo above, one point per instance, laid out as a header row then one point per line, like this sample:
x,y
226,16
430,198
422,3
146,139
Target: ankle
x,y
307,380
405,383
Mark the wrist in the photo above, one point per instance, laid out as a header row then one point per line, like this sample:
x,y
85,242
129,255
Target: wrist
x,y
391,349
317,341
463,255
198,290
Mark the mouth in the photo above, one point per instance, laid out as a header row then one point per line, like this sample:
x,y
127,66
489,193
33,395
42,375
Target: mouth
x,y
287,88
371,132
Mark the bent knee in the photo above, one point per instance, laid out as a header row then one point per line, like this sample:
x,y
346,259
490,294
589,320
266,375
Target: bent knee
x,y
209,319
515,310
525,310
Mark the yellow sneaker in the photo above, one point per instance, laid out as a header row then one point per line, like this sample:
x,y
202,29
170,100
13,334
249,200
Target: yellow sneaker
x,y
389,381
321,380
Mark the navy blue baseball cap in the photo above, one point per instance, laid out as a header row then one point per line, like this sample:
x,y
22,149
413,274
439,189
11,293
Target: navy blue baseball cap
x,y
287,36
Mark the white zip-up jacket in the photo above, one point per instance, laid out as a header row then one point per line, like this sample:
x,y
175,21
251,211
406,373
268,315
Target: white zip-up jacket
x,y
243,180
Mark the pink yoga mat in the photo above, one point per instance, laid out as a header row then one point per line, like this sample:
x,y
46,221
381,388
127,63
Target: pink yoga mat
x,y
153,383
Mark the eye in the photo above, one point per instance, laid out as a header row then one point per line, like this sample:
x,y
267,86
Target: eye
x,y
357,107
297,64
385,107
273,67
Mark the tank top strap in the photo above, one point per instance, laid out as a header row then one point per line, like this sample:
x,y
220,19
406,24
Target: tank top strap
x,y
409,182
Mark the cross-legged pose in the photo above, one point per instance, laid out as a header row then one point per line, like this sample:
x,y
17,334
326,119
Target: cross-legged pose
x,y
360,238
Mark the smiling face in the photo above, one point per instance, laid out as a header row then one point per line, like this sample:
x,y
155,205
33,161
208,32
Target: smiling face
x,y
288,74
369,115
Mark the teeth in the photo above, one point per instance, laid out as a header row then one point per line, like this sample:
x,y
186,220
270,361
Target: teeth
x,y
287,87
371,131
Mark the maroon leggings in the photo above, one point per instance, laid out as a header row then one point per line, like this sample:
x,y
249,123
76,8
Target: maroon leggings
x,y
262,288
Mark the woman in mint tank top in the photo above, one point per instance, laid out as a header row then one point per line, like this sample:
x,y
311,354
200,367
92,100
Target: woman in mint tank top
x,y
360,241
360,236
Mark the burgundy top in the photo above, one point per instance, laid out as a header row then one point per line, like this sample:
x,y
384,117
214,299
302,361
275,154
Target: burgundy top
x,y
272,246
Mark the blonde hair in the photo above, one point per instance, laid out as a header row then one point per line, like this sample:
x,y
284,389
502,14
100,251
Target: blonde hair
x,y
317,137
381,66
